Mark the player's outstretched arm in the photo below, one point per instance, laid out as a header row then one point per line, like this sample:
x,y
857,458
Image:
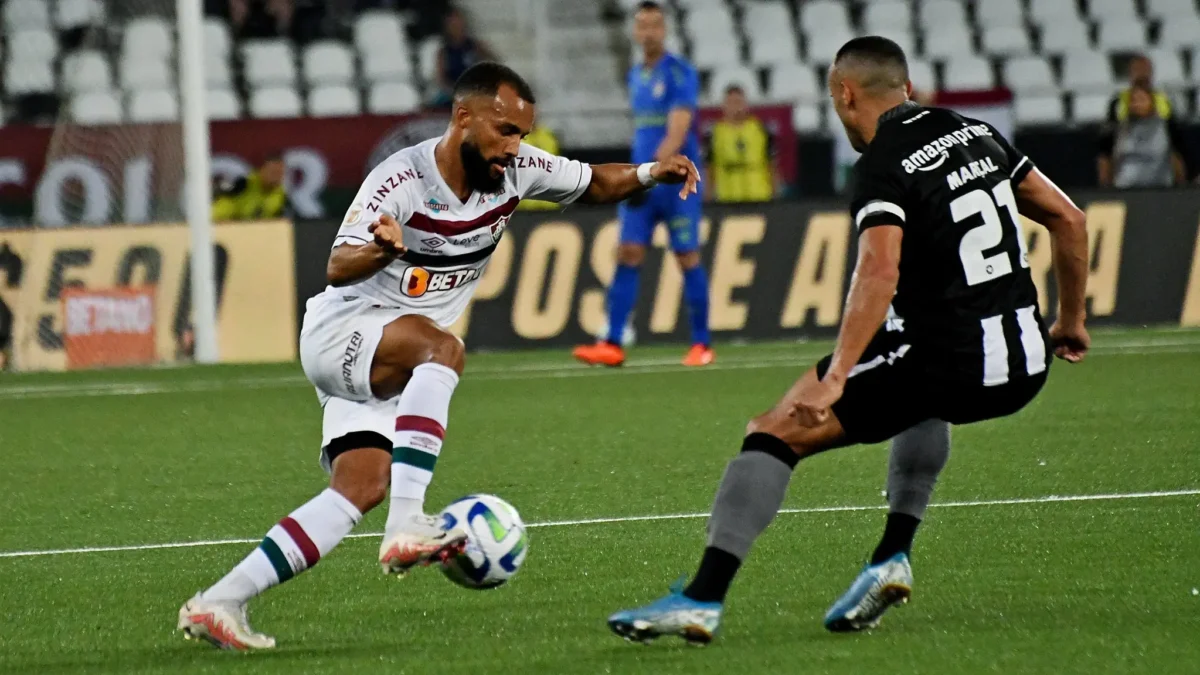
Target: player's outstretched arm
x,y
350,264
616,182
1040,200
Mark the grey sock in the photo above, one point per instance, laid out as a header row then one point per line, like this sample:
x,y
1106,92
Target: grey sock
x,y
917,457
750,494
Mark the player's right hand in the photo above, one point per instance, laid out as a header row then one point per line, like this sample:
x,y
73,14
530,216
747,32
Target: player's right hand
x,y
677,169
388,235
1070,340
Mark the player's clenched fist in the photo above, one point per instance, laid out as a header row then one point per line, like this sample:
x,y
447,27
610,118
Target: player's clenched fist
x,y
388,235
677,169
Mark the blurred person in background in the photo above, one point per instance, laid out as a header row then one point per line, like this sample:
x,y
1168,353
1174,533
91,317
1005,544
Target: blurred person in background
x,y
460,50
1140,72
254,18
739,150
663,91
256,196
1141,147
542,138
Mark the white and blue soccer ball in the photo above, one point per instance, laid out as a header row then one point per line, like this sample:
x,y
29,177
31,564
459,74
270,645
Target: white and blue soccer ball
x,y
496,541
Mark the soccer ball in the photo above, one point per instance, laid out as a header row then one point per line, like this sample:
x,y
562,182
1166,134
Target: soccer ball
x,y
496,541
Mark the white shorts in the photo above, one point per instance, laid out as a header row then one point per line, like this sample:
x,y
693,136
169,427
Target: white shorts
x,y
337,344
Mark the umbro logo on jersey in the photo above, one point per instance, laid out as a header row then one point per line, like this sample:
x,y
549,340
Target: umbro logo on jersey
x,y
935,153
498,228
434,242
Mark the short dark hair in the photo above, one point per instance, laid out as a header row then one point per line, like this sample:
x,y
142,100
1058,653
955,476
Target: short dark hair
x,y
881,61
735,89
650,5
486,78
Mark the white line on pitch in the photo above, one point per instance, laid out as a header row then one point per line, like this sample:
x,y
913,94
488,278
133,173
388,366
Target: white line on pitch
x,y
1049,499
800,357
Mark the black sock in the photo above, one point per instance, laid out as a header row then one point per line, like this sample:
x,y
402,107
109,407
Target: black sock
x,y
717,569
897,537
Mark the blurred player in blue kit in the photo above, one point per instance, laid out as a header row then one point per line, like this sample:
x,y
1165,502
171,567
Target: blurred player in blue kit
x,y
662,91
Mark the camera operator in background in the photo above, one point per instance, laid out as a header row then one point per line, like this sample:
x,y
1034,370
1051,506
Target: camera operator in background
x,y
258,195
1142,147
738,150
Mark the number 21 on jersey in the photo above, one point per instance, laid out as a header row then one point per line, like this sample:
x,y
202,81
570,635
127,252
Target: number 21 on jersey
x,y
979,268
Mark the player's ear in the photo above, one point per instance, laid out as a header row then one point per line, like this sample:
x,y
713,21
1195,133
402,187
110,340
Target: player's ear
x,y
461,115
908,88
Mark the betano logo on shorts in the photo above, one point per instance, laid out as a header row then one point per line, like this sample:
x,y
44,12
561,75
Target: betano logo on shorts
x,y
418,281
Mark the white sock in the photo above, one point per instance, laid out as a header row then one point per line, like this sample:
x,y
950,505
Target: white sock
x,y
297,543
421,417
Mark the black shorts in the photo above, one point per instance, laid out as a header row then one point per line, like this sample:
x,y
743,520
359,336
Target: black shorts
x,y
893,389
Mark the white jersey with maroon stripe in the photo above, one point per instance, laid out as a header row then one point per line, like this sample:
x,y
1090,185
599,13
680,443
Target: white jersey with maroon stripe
x,y
449,241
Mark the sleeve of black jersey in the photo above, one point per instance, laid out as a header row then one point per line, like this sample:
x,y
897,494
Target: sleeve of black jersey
x,y
1019,165
877,195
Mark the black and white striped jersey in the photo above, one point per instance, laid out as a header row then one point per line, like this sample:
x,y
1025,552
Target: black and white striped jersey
x,y
966,299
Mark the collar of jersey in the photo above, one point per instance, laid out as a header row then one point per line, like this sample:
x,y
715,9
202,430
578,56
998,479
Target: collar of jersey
x,y
898,111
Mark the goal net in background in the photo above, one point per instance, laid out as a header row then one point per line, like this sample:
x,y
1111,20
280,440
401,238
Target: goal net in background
x,y
118,291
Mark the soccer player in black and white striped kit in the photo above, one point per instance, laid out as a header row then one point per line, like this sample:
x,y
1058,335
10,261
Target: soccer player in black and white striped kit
x,y
941,326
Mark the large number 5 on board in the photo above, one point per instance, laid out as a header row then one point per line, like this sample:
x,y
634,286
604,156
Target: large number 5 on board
x,y
976,240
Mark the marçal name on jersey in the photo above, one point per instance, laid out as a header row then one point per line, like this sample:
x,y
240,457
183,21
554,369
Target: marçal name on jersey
x,y
936,152
977,169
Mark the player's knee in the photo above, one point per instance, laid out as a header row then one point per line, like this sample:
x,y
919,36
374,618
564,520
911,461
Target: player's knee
x,y
631,255
449,351
688,260
365,494
362,477
758,424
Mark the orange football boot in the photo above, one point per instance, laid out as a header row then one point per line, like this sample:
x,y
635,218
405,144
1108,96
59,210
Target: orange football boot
x,y
699,355
600,354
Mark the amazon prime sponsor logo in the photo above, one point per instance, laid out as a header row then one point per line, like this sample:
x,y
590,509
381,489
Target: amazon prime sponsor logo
x,y
936,152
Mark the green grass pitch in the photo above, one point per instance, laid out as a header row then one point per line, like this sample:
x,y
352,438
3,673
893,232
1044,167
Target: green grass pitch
x,y
147,457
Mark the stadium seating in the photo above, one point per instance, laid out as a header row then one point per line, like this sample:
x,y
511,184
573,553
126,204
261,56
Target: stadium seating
x,y
1029,74
1090,107
22,78
73,14
269,63
153,105
328,62
741,76
1038,109
387,98
223,104
1057,55
96,107
86,70
26,15
148,38
337,100
275,101
145,74
969,72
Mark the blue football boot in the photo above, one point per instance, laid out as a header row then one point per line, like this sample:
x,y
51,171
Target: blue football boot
x,y
674,614
876,588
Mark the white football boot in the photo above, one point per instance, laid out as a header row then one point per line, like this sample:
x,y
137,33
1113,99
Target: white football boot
x,y
222,624
421,541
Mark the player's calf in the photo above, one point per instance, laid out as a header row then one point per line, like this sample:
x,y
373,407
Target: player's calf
x,y
422,363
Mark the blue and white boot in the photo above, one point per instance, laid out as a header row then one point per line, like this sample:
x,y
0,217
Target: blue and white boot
x,y
675,614
876,588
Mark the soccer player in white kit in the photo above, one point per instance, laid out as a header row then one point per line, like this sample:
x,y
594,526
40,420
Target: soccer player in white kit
x,y
374,343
